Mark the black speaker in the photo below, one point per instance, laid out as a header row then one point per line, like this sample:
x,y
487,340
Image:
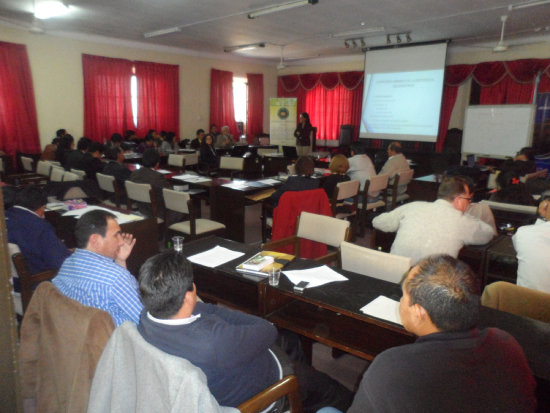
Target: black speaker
x,y
346,135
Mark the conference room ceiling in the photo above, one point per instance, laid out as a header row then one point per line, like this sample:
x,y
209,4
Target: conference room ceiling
x,y
308,32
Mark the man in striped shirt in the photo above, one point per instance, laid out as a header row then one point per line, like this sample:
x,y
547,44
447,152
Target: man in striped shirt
x,y
95,274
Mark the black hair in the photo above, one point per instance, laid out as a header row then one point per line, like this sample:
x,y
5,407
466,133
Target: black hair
x,y
448,290
164,279
528,152
305,115
96,147
357,148
116,138
60,132
31,197
93,222
112,153
150,157
199,131
83,144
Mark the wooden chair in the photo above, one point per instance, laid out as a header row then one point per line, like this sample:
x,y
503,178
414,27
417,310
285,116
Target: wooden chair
x,y
81,174
343,191
56,174
400,179
70,176
517,300
193,227
231,165
142,193
176,161
318,228
28,164
377,185
27,281
108,184
376,264
287,386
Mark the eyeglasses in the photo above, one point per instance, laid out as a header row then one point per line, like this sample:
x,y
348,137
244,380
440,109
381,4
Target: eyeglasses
x,y
469,199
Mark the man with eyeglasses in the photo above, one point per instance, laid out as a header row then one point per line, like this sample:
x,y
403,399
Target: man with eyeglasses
x,y
439,227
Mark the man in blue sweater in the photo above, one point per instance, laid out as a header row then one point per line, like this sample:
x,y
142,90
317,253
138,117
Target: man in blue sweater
x,y
34,235
231,347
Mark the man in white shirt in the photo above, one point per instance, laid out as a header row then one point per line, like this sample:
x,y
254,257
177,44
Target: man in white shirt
x,y
532,244
360,165
439,227
395,164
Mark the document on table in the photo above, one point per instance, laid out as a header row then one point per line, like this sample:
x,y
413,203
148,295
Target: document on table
x,y
163,171
120,217
215,256
270,181
384,308
191,178
314,276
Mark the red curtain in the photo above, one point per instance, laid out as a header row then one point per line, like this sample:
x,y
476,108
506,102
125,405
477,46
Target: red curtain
x,y
107,99
255,105
331,99
222,111
158,97
18,122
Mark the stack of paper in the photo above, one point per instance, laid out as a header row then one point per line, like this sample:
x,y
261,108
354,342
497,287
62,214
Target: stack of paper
x,y
215,256
384,308
315,276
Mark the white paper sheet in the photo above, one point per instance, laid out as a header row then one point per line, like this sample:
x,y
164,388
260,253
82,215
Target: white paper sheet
x,y
270,181
315,276
120,217
191,178
384,308
163,171
215,256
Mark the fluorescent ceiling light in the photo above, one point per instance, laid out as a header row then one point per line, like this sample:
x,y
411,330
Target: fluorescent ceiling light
x,y
281,7
528,4
242,47
359,32
47,9
162,32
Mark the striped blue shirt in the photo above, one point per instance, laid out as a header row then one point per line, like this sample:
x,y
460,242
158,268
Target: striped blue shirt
x,y
97,281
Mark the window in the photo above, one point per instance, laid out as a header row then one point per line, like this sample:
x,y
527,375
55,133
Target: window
x,y
239,100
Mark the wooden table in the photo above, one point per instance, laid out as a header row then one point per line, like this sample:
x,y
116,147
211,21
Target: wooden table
x,y
330,314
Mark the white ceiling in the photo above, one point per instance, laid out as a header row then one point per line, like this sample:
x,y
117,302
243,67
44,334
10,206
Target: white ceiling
x,y
306,32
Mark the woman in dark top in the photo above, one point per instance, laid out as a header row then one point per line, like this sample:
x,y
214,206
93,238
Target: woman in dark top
x,y
303,135
511,190
338,166
302,181
207,154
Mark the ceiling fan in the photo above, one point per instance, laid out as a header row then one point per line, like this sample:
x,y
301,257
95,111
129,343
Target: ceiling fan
x,y
284,62
501,46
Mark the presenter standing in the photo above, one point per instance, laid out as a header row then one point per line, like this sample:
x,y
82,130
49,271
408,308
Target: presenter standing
x,y
303,135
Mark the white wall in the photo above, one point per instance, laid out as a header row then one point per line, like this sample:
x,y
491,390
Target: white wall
x,y
58,83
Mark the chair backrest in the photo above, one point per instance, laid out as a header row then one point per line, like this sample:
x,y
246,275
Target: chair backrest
x,y
57,174
106,182
61,343
191,159
378,183
138,192
347,189
176,160
176,200
232,163
517,300
405,177
81,174
70,176
376,264
322,228
43,168
27,164
171,383
503,206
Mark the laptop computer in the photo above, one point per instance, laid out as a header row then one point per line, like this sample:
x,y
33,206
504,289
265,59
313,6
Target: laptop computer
x,y
290,152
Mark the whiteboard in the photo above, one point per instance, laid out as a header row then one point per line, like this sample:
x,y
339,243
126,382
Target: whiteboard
x,y
498,130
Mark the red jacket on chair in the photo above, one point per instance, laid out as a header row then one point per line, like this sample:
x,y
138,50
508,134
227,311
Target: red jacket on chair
x,y
291,204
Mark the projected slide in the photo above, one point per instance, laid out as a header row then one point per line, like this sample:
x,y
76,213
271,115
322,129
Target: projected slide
x,y
402,93
403,103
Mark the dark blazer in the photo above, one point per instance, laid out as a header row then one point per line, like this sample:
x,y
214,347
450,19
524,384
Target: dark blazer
x,y
293,183
118,170
208,156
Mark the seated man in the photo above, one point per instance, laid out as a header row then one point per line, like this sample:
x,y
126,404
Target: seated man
x,y
453,366
116,166
302,181
96,275
196,143
360,165
532,244
395,164
91,161
231,348
148,175
75,159
439,227
34,235
225,139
